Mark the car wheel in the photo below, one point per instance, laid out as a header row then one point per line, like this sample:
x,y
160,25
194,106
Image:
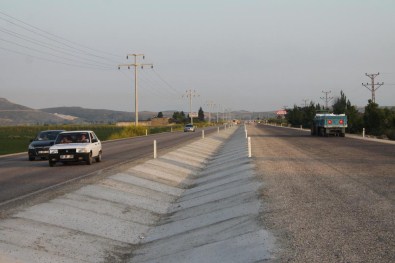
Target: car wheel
x,y
98,158
51,164
90,159
32,158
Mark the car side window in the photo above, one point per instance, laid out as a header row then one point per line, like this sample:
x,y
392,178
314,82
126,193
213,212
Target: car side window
x,y
94,137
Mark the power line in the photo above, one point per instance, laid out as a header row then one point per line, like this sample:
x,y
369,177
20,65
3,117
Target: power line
x,y
158,84
167,84
49,38
48,46
151,88
47,53
51,34
52,42
51,60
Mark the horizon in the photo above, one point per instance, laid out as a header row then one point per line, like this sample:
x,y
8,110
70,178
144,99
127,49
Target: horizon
x,y
151,111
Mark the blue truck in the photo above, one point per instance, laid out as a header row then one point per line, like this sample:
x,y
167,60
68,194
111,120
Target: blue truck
x,y
325,124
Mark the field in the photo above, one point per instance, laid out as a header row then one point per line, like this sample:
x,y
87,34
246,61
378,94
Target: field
x,y
15,139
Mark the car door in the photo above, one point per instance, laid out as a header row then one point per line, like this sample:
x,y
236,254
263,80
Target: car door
x,y
96,144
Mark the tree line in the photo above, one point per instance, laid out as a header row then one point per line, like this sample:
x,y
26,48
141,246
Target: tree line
x,y
377,121
181,118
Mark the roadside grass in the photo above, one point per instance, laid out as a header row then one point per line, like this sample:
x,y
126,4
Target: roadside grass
x,y
15,139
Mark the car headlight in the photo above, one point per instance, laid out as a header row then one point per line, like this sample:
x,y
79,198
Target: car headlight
x,y
31,147
53,151
81,150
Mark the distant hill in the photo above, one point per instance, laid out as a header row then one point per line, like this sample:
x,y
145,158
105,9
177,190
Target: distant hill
x,y
102,115
15,114
91,115
7,105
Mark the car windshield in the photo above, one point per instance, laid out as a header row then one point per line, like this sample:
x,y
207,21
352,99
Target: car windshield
x,y
73,137
189,125
47,136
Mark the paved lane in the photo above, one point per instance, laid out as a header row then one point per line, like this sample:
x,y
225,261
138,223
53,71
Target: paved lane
x,y
327,199
19,177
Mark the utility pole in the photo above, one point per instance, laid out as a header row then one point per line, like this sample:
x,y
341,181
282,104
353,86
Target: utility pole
x,y
326,99
135,65
282,115
373,88
189,94
222,107
226,114
305,102
217,107
210,104
230,117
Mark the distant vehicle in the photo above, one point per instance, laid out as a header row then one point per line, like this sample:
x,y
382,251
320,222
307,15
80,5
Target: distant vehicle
x,y
39,146
189,128
329,124
75,146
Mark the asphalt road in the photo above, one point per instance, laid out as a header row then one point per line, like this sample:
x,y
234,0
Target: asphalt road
x,y
20,177
326,199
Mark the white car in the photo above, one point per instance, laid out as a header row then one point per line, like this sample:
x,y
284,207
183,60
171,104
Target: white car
x,y
75,146
189,128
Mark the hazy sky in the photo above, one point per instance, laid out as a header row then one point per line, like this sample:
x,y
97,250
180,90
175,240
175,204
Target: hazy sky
x,y
255,55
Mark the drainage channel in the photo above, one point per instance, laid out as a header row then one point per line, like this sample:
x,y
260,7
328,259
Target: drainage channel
x,y
198,203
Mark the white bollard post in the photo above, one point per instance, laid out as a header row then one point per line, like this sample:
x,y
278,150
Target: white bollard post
x,y
146,132
301,127
155,149
249,147
202,134
363,133
171,129
218,130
